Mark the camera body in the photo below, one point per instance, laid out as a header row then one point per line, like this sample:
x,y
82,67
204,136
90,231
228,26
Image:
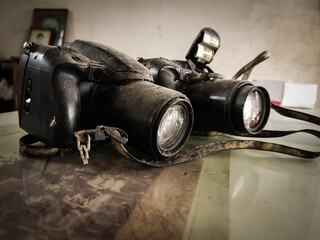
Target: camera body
x,y
61,91
53,87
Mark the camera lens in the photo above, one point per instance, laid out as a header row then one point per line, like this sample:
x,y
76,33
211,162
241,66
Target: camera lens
x,y
252,110
172,128
157,120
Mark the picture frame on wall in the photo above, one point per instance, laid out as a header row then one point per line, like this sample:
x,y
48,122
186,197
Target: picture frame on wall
x,y
41,36
55,19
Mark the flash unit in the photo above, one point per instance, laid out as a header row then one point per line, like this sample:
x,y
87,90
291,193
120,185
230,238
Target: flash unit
x,y
204,47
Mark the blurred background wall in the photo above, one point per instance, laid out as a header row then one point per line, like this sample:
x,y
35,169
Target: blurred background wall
x,y
289,29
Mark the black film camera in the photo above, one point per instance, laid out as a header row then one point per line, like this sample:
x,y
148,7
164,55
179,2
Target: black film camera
x,y
61,90
228,106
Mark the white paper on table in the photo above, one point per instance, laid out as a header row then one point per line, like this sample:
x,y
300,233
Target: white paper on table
x,y
299,95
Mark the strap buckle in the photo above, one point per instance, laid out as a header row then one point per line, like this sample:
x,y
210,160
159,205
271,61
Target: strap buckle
x,y
99,134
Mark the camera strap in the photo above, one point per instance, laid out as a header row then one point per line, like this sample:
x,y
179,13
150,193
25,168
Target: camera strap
x,y
31,146
296,114
101,133
207,149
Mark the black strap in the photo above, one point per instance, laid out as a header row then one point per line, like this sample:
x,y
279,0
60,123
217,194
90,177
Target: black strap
x,y
207,149
275,133
188,155
296,114
246,70
32,147
203,150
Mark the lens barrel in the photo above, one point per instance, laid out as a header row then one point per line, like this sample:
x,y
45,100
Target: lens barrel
x,y
219,106
139,108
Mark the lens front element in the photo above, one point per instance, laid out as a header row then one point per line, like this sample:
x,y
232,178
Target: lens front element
x,y
252,110
173,129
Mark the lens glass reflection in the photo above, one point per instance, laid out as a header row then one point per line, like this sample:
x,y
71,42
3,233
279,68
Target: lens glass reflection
x,y
172,127
252,110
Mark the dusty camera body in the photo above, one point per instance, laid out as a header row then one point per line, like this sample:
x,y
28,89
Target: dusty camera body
x,y
51,99
61,91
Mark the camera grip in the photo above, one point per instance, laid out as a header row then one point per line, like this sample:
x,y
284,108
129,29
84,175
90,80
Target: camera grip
x,y
66,88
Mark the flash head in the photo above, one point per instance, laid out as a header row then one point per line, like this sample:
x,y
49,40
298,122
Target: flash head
x,y
204,47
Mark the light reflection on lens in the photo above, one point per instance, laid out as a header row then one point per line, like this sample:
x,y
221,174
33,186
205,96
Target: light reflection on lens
x,y
252,110
172,127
